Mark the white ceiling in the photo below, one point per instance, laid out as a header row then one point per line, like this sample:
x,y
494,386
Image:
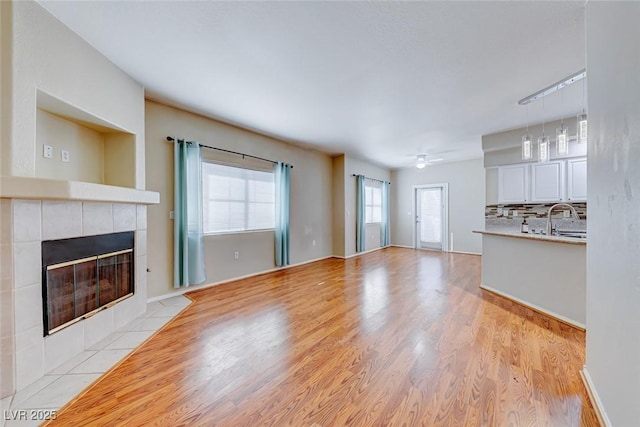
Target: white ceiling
x,y
383,81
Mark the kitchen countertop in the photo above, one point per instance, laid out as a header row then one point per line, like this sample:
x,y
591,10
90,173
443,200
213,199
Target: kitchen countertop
x,y
541,237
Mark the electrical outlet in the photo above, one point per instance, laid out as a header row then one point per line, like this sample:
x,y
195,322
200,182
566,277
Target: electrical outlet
x,y
47,151
64,156
505,212
499,211
171,215
515,213
236,255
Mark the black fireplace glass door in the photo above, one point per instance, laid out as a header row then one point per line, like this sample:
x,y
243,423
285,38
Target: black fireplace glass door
x,y
86,287
107,276
60,291
125,274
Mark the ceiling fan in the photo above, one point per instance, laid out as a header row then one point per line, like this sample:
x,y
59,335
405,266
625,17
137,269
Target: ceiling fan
x,y
425,159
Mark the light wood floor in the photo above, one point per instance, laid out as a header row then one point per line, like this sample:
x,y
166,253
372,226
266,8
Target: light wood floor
x,y
395,337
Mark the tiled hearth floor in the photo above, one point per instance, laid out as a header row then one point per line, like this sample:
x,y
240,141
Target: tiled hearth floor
x,y
65,382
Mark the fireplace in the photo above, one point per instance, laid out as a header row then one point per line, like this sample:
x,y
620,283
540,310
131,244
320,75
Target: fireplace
x,y
83,275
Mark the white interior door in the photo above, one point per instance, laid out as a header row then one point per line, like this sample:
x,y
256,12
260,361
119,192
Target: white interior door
x,y
431,215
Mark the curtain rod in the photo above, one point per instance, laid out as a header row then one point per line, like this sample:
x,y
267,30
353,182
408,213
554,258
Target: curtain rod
x,y
372,179
170,138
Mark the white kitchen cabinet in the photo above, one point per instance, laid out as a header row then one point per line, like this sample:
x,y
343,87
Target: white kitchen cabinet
x,y
577,179
513,184
547,182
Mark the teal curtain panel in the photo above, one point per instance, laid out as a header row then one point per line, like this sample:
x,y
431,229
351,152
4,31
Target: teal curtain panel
x,y
360,214
188,242
385,227
282,173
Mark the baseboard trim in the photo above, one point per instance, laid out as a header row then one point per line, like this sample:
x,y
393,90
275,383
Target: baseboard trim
x,y
536,308
466,253
435,250
359,253
594,398
182,291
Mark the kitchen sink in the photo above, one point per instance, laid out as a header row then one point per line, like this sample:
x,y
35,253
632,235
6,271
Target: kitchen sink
x,y
578,234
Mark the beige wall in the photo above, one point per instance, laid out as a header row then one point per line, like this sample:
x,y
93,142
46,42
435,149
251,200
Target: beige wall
x,y
311,199
119,159
48,56
85,145
338,205
344,194
613,271
98,156
6,73
466,202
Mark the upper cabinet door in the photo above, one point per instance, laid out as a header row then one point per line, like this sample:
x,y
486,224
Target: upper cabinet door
x,y
547,182
513,184
577,179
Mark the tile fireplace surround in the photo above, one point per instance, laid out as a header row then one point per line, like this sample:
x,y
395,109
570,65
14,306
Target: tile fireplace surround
x,y
26,355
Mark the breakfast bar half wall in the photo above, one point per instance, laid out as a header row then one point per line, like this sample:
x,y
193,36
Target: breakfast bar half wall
x,y
544,273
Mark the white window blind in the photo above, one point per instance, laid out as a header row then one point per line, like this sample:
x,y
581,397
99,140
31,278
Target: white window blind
x,y
373,203
236,199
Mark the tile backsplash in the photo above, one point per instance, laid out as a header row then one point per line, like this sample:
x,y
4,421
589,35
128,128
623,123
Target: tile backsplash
x,y
530,210
502,217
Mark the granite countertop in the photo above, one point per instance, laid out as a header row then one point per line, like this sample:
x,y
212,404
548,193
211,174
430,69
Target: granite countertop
x,y
542,237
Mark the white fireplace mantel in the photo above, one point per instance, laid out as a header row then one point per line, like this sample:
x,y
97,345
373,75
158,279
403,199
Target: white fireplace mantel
x,y
19,187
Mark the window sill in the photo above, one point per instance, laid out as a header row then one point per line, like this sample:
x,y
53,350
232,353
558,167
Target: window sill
x,y
225,233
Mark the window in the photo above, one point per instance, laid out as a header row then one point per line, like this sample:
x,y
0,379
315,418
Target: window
x,y
373,203
236,199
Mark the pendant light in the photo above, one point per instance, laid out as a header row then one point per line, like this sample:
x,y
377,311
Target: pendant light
x,y
582,128
527,148
543,149
562,137
543,142
562,143
581,133
422,161
562,140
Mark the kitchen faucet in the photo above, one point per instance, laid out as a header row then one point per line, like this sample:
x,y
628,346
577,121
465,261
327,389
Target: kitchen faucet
x,y
573,213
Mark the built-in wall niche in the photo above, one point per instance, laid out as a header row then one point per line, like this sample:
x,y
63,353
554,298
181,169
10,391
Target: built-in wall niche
x,y
98,151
